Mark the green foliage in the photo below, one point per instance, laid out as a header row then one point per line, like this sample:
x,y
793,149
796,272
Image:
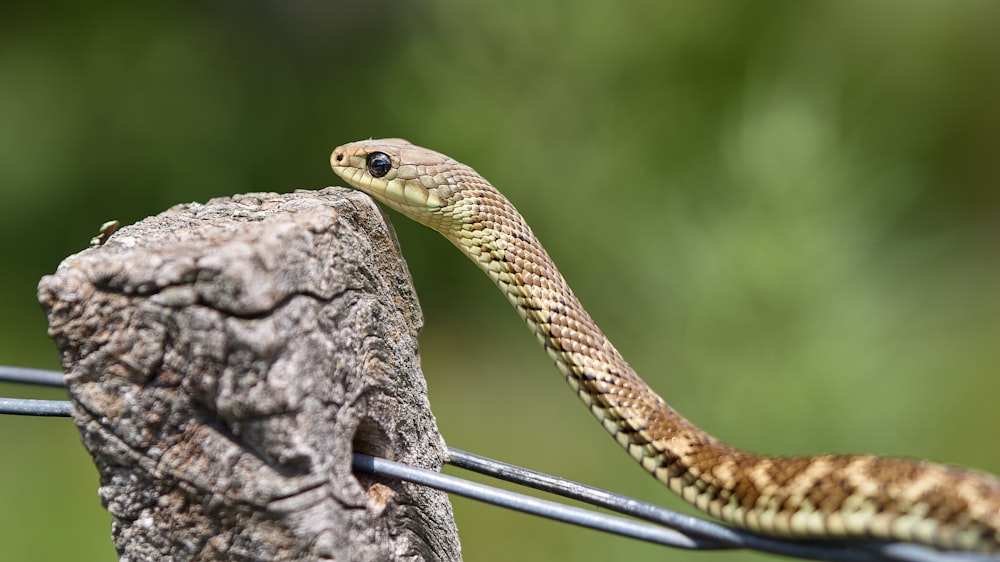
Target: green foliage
x,y
784,214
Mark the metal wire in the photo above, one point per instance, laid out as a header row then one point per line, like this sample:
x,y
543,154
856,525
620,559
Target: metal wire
x,y
26,407
671,529
36,377
715,534
528,504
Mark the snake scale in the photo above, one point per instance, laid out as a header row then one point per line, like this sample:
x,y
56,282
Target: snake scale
x,y
810,497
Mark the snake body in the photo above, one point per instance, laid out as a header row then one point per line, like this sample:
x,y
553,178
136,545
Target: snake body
x,y
815,497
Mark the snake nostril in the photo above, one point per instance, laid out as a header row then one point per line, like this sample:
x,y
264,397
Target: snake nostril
x,y
340,156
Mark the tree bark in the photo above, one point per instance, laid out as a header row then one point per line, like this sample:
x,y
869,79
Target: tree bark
x,y
225,360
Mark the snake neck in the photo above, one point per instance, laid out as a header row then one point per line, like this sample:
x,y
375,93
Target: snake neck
x,y
820,496
500,242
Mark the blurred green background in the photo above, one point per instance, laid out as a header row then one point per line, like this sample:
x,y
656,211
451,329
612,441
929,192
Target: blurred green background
x,y
785,214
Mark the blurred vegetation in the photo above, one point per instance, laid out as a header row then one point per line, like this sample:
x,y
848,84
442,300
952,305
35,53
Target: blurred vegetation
x,y
785,214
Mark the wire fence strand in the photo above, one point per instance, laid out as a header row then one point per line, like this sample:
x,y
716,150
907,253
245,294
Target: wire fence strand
x,y
644,521
36,377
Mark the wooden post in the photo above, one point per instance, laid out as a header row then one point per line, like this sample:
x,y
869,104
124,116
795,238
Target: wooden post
x,y
225,360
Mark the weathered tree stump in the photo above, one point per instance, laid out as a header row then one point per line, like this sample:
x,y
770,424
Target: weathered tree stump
x,y
225,360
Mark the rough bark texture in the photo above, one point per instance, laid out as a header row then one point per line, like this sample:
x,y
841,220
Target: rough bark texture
x,y
226,359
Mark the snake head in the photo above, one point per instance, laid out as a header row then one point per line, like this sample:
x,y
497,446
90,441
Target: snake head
x,y
420,183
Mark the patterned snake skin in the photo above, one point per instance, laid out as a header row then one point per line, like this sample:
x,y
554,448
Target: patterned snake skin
x,y
818,497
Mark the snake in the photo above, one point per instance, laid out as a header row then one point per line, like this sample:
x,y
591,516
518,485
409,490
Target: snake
x,y
819,497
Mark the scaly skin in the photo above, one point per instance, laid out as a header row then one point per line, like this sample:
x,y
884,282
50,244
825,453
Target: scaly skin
x,y
817,497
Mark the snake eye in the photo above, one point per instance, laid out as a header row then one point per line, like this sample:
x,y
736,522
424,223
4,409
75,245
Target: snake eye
x,y
378,164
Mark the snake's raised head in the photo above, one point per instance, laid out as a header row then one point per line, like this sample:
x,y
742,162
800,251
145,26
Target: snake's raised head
x,y
422,184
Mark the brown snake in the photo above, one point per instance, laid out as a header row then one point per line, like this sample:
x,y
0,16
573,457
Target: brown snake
x,y
817,497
